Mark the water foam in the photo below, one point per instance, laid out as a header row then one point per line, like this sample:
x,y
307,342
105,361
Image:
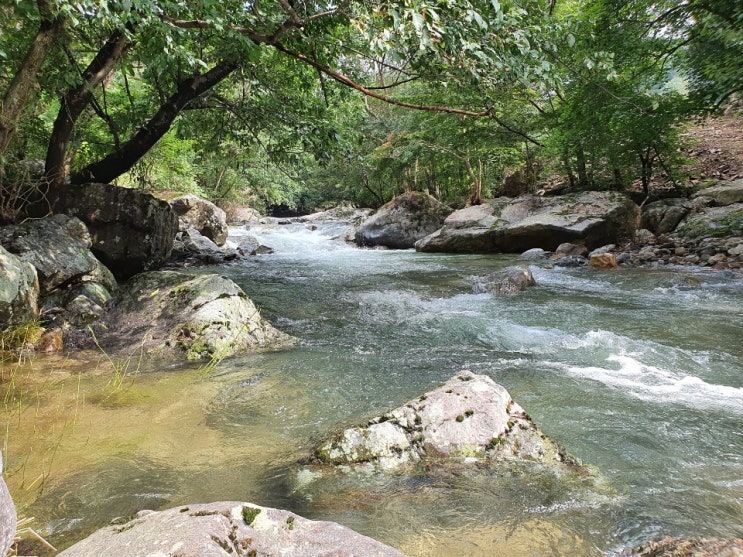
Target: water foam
x,y
656,384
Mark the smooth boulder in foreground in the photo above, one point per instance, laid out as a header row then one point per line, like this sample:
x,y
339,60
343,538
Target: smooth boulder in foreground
x,y
226,529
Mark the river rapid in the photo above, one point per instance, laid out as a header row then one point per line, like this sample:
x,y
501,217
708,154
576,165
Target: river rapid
x,y
636,372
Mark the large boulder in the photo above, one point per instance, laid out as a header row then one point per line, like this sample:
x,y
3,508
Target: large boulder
x,y
663,216
8,518
712,221
199,315
19,291
226,529
722,194
132,231
505,225
58,247
468,417
202,215
403,221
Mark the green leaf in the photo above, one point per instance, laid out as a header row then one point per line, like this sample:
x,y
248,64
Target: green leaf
x,y
418,21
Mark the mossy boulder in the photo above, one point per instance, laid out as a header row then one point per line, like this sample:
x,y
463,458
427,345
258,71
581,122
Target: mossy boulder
x,y
58,247
196,315
713,221
721,194
19,290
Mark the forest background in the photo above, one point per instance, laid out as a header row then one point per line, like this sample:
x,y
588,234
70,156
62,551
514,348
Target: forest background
x,y
290,105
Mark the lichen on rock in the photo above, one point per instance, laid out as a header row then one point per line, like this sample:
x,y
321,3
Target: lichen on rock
x,y
470,417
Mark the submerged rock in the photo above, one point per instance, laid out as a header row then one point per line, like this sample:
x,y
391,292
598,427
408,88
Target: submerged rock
x,y
506,225
603,260
202,316
688,547
403,221
505,282
223,529
468,417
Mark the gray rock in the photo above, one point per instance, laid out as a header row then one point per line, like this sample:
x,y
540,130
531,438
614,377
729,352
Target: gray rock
x,y
8,518
722,194
243,215
644,236
469,417
201,316
506,225
662,217
201,247
19,291
132,231
349,215
570,261
226,529
506,282
203,215
58,247
403,221
535,254
567,249
609,248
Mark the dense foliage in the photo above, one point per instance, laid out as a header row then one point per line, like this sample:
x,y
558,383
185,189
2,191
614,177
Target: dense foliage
x,y
305,104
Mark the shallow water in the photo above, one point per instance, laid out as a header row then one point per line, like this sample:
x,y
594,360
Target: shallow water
x,y
637,372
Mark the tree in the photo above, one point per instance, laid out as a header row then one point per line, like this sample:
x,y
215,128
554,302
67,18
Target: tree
x,y
615,110
182,51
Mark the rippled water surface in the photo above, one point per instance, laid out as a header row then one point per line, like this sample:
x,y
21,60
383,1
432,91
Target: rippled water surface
x,y
637,372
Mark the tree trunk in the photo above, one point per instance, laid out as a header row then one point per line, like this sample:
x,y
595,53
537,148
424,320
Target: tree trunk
x,y
584,180
476,195
16,97
117,163
74,103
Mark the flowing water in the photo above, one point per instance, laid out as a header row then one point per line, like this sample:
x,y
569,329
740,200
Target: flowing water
x,y
636,372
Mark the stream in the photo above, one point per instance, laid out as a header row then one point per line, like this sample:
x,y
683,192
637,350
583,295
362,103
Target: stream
x,y
638,373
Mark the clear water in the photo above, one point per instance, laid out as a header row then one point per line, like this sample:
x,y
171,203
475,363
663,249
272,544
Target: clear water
x,y
637,372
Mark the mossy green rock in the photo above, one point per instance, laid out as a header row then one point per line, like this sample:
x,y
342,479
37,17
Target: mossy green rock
x,y
200,316
19,290
713,221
